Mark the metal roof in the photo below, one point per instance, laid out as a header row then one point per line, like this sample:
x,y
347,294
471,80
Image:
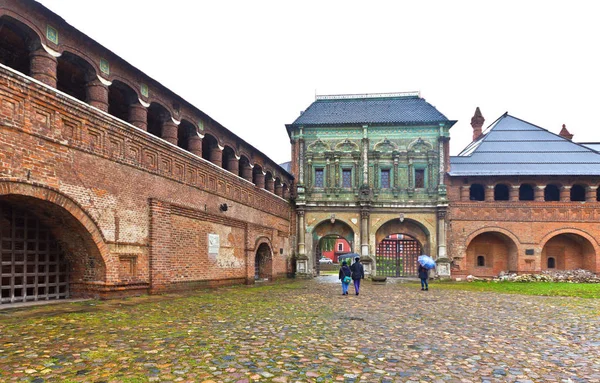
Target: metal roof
x,y
511,146
406,108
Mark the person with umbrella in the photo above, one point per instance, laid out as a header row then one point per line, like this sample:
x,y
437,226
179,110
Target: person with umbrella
x,y
426,263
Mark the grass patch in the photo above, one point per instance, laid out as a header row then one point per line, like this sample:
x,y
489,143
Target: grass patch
x,y
551,289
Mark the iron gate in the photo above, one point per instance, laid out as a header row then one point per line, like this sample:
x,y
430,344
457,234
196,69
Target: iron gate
x,y
397,257
33,267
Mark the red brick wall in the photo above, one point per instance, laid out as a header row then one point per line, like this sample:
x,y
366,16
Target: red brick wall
x,y
110,170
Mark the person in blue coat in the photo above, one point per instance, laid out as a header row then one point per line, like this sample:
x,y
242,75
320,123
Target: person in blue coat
x,y
423,275
358,273
345,272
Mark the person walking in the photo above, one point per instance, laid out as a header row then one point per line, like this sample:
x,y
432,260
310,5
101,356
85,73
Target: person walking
x,y
358,273
424,275
344,276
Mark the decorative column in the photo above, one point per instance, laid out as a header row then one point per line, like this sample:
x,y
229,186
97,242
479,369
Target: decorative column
x,y
309,173
97,94
43,66
411,181
327,175
565,193
269,184
260,179
538,193
247,172
489,193
590,193
301,157
301,259
233,164
365,155
138,116
168,131
514,193
195,144
279,189
336,182
364,232
443,263
216,156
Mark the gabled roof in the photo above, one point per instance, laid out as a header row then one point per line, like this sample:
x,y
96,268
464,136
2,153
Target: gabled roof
x,y
385,109
511,146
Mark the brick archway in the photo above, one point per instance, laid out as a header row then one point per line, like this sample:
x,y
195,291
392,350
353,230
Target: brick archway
x,y
12,191
491,251
569,249
263,259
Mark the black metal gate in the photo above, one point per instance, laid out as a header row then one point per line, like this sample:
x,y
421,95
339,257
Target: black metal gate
x,y
397,257
33,267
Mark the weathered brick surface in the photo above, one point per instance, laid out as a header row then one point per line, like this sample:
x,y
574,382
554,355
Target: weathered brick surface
x,y
140,207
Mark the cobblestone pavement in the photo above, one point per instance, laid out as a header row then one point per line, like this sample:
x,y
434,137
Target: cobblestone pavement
x,y
306,331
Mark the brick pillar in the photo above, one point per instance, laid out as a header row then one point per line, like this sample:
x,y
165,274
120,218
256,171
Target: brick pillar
x,y
514,193
43,66
233,165
269,184
138,116
538,193
247,173
168,131
590,193
565,193
195,144
465,193
260,180
216,156
97,94
160,245
279,190
489,193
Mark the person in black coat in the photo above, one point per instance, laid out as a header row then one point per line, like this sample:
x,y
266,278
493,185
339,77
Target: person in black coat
x,y
345,272
358,273
424,275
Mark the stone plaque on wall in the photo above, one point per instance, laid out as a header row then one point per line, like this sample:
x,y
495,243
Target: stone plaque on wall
x,y
213,245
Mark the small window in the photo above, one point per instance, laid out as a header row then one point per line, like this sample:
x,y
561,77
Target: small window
x,y
551,263
419,178
480,261
476,192
319,178
551,193
526,192
385,178
501,192
347,178
578,193
340,246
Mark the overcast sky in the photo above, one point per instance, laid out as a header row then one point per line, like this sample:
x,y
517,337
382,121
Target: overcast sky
x,y
254,65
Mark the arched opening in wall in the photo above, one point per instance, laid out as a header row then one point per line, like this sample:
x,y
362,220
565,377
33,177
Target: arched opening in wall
x,y
263,263
277,186
285,193
244,170
569,251
325,236
73,74
209,144
578,193
120,99
551,193
184,132
399,244
258,177
501,192
526,192
490,253
269,182
16,41
476,192
228,158
46,253
157,115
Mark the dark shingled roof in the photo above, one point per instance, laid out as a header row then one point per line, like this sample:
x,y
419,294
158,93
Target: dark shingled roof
x,y
406,109
512,146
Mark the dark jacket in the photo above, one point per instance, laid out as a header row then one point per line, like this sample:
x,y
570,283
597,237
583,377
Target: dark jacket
x,y
423,272
344,272
358,271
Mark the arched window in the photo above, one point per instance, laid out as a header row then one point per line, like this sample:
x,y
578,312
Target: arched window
x,y
208,145
526,192
551,263
73,75
228,158
480,261
551,193
501,192
184,132
157,115
578,193
120,98
477,192
15,41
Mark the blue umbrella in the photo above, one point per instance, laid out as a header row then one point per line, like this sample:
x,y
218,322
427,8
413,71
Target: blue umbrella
x,y
426,261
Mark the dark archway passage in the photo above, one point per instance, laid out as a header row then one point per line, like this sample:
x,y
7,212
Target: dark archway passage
x,y
263,263
397,256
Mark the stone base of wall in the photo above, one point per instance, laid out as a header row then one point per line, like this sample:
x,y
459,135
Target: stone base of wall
x,y
107,291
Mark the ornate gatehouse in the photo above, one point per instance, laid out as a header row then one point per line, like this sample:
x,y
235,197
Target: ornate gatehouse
x,y
371,169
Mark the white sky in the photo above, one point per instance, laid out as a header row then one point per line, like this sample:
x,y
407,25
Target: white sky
x,y
254,65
